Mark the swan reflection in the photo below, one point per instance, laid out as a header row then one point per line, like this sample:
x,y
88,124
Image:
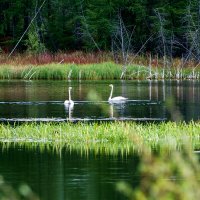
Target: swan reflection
x,y
69,109
115,109
111,111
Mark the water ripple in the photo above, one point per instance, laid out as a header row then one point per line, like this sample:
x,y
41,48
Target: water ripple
x,y
129,102
79,119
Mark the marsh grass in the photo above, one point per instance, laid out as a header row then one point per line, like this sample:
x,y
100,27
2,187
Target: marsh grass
x,y
98,71
109,138
60,72
92,66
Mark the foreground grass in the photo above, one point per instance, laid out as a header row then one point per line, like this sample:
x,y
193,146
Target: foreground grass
x,y
167,174
110,138
99,71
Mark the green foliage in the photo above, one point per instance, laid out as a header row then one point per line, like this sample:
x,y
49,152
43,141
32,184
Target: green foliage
x,y
90,25
33,42
97,19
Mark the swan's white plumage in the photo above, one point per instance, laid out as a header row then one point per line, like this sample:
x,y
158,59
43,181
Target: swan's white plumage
x,y
69,102
118,99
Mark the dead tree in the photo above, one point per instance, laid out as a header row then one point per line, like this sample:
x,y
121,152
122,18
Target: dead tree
x,y
192,27
121,42
165,43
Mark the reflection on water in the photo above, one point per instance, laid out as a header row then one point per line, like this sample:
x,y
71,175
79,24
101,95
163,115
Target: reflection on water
x,y
111,111
69,110
67,175
43,100
72,175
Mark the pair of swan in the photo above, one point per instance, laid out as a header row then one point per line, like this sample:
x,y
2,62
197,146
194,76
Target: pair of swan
x,y
118,99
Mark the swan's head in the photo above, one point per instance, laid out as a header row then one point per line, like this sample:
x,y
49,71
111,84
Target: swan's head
x,y
70,88
111,85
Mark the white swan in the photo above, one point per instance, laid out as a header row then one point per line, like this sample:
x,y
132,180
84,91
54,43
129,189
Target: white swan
x,y
69,102
118,99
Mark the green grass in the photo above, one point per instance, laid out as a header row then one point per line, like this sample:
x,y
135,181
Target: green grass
x,y
100,71
110,138
61,72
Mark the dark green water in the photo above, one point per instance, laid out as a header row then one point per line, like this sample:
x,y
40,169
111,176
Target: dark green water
x,y
71,175
147,100
67,175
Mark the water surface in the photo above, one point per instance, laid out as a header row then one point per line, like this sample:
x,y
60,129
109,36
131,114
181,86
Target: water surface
x,y
73,175
67,175
43,100
147,100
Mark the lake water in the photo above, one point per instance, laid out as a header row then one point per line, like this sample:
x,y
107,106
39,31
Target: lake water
x,y
67,175
72,175
147,100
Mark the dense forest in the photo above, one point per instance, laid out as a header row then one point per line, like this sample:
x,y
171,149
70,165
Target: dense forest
x,y
164,27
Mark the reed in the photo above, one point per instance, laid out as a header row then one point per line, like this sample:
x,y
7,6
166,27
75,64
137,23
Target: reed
x,y
61,72
110,138
98,71
95,66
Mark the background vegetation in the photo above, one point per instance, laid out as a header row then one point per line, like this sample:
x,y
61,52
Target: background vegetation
x,y
167,27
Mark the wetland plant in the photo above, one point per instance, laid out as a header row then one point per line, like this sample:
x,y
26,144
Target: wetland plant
x,y
109,137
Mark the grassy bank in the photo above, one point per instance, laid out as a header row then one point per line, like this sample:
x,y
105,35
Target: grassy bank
x,y
99,71
62,71
110,138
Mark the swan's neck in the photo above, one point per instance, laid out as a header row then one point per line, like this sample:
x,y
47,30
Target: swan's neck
x,y
69,95
111,92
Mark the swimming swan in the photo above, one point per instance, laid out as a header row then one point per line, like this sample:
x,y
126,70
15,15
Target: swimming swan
x,y
118,99
69,102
